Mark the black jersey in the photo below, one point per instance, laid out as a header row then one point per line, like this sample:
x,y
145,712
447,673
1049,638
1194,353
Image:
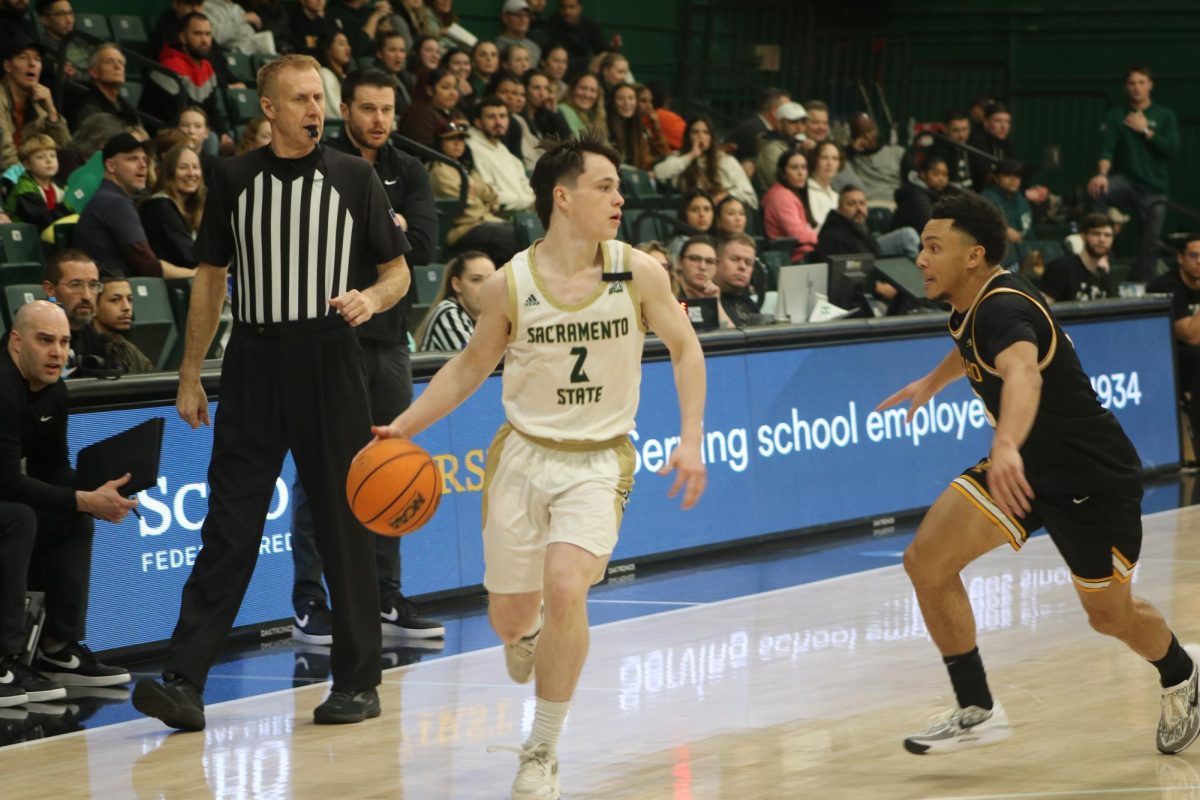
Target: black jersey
x,y
1075,446
296,231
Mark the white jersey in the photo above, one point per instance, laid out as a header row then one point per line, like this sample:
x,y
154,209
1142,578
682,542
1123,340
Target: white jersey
x,y
573,373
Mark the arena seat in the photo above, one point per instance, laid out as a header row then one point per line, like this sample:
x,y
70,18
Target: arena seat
x,y
18,295
154,330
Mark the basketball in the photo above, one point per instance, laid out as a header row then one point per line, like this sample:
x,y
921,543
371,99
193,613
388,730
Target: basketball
x,y
393,487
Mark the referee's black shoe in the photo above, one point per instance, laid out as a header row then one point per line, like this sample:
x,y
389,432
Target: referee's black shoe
x,y
176,702
341,708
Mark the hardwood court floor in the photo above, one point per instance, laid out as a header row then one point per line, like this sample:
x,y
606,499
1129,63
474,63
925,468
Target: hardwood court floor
x,y
804,692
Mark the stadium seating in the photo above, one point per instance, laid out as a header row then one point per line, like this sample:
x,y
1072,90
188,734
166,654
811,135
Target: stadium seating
x,y
529,229
154,331
18,295
240,66
242,104
129,30
95,24
21,244
639,190
426,282
179,293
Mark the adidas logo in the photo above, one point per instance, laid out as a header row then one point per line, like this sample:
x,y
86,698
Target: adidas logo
x,y
616,288
532,301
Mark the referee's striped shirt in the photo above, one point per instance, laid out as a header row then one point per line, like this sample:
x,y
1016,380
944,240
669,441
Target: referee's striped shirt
x,y
449,328
294,231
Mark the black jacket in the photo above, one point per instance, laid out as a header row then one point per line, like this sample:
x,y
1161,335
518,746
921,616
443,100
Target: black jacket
x,y
33,428
407,185
839,236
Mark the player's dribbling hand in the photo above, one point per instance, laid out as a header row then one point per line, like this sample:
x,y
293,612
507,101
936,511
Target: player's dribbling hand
x,y
354,306
916,393
1006,480
191,402
690,474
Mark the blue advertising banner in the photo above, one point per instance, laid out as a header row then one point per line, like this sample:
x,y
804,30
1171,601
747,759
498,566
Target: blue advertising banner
x,y
791,440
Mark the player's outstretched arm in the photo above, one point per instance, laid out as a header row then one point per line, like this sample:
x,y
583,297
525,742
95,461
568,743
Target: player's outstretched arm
x,y
919,392
1019,399
463,374
664,316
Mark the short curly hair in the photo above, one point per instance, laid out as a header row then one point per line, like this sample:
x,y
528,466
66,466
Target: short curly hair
x,y
977,218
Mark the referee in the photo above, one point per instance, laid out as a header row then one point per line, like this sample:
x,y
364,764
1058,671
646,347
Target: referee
x,y
292,219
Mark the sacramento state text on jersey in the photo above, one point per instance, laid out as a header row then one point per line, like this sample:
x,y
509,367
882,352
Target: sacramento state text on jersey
x,y
572,333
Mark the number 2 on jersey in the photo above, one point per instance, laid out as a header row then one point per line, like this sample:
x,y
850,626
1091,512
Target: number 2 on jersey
x,y
577,374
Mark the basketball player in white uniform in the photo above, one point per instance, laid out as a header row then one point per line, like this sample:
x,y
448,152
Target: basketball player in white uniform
x,y
568,315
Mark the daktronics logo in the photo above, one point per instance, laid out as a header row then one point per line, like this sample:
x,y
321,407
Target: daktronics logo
x,y
188,506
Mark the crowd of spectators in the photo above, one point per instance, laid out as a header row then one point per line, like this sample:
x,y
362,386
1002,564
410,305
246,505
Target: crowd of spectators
x,y
779,179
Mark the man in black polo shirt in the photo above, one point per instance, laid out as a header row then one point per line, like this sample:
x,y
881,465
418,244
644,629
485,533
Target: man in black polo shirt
x,y
368,107
294,220
1183,285
45,524
1083,276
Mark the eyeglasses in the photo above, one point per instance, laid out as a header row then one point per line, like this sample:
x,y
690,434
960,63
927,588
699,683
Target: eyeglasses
x,y
695,259
60,14
78,285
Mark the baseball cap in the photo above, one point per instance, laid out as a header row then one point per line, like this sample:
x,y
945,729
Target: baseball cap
x,y
122,143
792,112
20,44
514,6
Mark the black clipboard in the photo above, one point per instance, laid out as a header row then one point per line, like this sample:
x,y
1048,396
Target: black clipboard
x,y
135,451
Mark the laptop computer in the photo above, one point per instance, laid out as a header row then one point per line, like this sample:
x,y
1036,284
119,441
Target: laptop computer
x,y
904,274
799,285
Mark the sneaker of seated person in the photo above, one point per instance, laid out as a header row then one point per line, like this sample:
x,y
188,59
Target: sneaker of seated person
x,y
399,618
11,692
76,665
37,687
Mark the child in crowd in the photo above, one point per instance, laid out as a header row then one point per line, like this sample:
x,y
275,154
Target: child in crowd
x,y
36,199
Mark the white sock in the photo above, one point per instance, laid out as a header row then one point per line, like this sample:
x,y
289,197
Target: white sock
x,y
548,722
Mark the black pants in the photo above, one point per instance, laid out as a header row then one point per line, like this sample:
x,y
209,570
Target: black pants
x,y
389,383
302,390
43,552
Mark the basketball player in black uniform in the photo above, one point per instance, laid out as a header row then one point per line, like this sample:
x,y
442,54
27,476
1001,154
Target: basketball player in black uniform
x,y
1058,459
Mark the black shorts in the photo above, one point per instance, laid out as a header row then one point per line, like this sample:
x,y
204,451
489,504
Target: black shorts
x,y
1099,535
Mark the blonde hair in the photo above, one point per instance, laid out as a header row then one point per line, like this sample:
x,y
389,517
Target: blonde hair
x,y
35,144
268,72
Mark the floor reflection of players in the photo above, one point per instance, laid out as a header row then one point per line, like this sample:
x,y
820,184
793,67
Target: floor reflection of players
x,y
312,660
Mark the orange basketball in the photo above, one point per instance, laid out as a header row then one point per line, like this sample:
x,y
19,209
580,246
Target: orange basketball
x,y
393,487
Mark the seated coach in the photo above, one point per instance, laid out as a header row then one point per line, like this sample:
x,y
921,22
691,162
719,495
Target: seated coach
x,y
45,523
